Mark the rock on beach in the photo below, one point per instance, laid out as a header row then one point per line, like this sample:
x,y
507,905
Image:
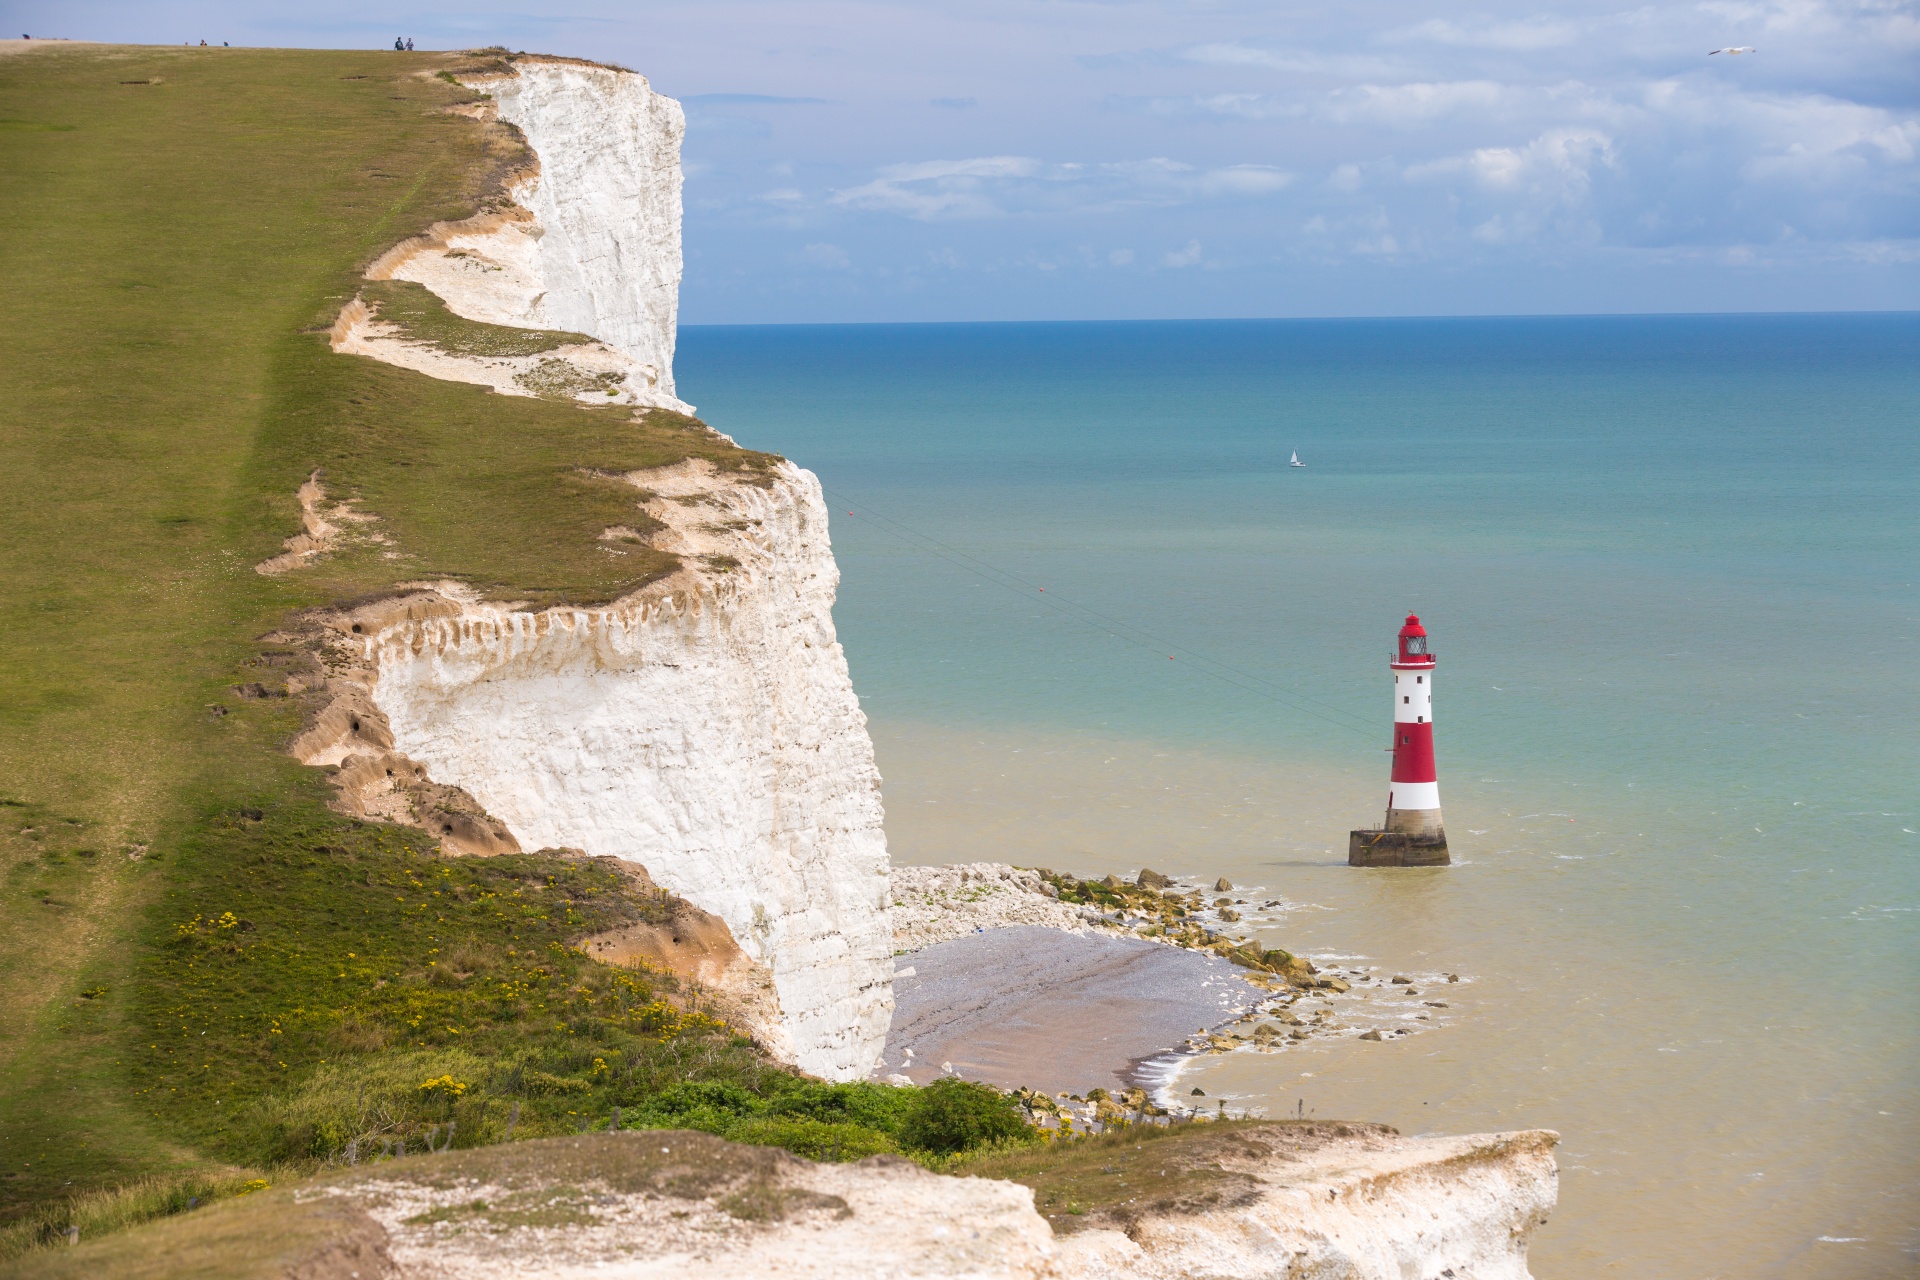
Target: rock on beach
x,y
931,905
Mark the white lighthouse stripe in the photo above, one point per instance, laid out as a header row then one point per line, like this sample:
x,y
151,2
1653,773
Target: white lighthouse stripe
x,y
1412,699
1414,795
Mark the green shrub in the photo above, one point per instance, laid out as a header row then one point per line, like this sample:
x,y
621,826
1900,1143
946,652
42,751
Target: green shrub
x,y
694,1097
367,1100
542,1084
954,1115
882,1107
711,1106
814,1139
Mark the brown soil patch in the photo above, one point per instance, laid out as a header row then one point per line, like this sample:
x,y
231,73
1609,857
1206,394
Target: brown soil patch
x,y
1118,1177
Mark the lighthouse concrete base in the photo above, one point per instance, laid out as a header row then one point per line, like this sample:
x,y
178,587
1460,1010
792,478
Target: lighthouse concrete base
x,y
1396,849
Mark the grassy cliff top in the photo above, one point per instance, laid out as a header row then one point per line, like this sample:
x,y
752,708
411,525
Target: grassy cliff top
x,y
202,967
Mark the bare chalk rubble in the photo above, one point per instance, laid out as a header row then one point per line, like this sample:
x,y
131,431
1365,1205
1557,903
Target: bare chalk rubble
x,y
1219,1202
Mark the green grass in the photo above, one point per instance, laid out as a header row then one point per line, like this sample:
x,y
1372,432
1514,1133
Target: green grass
x,y
507,493
98,1213
1112,1178
266,1042
276,1232
182,225
420,315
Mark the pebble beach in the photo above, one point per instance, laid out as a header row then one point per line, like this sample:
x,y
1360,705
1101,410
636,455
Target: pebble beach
x,y
1000,980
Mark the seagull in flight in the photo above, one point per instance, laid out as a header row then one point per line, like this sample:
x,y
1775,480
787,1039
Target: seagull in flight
x,y
1735,51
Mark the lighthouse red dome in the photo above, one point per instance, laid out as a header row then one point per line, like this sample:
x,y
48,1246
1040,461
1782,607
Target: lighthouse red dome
x,y
1413,642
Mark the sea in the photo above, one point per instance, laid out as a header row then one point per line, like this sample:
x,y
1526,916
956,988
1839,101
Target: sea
x,y
1098,621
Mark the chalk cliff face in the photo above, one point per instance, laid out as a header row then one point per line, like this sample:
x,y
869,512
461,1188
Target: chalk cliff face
x,y
607,202
593,246
1361,1206
706,727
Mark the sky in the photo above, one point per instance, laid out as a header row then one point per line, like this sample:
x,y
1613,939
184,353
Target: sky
x,y
880,160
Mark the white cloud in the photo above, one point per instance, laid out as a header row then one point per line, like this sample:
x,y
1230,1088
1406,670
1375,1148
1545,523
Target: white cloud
x,y
1465,135
1557,162
1408,105
1820,140
937,188
1236,53
1152,168
1219,106
1294,60
1244,179
1540,188
1526,35
997,186
1401,105
982,167
1484,166
1183,257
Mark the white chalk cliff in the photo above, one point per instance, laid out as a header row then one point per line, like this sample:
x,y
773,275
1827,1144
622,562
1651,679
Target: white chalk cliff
x,y
607,202
706,726
592,246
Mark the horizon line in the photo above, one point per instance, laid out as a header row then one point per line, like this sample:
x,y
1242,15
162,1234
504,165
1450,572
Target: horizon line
x,y
1513,315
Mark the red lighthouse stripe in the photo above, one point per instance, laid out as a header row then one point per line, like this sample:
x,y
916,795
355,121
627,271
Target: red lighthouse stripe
x,y
1413,753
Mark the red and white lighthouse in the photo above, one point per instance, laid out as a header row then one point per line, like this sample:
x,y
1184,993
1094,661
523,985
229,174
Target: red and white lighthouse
x,y
1412,835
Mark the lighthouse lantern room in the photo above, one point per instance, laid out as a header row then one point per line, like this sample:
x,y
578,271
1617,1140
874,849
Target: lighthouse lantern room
x,y
1412,835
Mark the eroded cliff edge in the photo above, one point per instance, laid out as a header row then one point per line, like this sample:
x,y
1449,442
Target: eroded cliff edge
x,y
585,254
705,725
1282,1201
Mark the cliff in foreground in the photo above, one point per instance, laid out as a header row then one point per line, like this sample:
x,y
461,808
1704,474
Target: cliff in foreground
x,y
1210,1202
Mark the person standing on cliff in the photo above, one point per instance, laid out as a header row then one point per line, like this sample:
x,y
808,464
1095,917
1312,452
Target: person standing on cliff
x,y
409,44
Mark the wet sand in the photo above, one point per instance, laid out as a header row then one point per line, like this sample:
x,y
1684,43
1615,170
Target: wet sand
x,y
1053,1011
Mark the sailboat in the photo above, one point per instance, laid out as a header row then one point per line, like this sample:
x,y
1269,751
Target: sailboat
x,y
1296,460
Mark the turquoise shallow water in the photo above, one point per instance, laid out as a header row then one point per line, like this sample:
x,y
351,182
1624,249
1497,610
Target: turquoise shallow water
x,y
1669,565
